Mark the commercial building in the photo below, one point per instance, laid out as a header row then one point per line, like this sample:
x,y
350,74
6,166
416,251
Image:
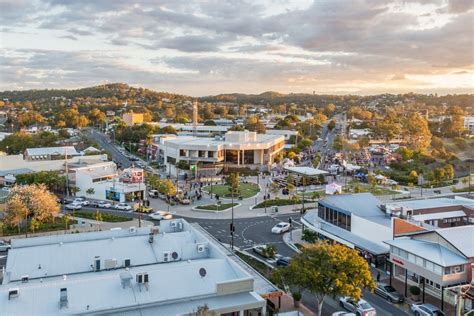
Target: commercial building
x,y
437,261
50,153
170,269
354,220
131,118
469,123
107,183
234,149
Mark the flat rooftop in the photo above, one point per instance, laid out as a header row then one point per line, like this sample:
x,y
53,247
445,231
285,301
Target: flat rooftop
x,y
185,270
433,203
364,205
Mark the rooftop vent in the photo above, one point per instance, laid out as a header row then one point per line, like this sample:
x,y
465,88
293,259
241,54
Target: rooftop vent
x,y
150,238
175,255
63,302
142,279
24,279
201,248
126,279
12,293
110,264
202,272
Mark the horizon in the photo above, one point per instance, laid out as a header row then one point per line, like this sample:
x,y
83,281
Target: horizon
x,y
203,49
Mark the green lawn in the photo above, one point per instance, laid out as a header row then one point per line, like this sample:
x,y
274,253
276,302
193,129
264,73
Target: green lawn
x,y
245,190
280,202
106,217
216,207
57,224
361,188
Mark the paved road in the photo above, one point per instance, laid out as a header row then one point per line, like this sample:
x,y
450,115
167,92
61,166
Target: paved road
x,y
105,144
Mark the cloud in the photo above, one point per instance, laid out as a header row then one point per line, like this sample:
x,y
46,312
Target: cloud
x,y
302,46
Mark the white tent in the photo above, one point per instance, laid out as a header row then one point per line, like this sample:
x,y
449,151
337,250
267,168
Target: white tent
x,y
333,188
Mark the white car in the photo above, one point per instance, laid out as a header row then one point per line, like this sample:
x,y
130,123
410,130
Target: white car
x,y
4,246
73,206
123,206
160,215
81,201
343,314
426,310
104,204
280,228
361,308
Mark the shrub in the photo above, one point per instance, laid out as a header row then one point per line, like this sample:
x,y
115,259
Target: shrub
x,y
296,295
415,290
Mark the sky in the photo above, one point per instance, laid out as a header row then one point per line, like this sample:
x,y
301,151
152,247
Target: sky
x,y
209,47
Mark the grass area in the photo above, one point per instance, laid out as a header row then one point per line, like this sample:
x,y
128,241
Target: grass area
x,y
466,189
57,224
280,202
245,190
106,217
216,207
361,188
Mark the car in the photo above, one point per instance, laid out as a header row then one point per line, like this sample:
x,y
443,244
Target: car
x,y
388,292
66,201
281,228
283,261
104,204
4,246
360,308
81,201
260,249
123,206
73,206
161,215
153,194
420,309
343,314
185,201
6,189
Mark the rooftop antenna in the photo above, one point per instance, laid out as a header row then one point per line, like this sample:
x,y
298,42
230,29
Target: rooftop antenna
x,y
195,117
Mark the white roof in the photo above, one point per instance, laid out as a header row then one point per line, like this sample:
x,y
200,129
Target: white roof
x,y
461,237
441,215
433,203
307,171
70,150
431,251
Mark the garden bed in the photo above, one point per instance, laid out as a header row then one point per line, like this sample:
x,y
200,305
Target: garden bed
x,y
216,207
58,224
280,202
106,217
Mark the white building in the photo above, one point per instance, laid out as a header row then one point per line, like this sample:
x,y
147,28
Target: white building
x,y
171,269
469,123
235,149
107,183
354,220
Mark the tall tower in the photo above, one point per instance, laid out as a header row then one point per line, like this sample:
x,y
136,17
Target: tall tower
x,y
195,117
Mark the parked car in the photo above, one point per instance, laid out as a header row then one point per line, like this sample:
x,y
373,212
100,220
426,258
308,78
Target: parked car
x,y
123,206
280,228
283,261
426,310
6,189
262,250
73,206
388,292
81,201
360,308
4,246
185,201
343,314
161,215
104,204
66,201
153,194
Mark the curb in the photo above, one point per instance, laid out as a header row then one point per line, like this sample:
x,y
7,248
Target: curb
x,y
286,240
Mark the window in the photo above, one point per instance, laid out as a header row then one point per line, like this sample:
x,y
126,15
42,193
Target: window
x,y
411,257
403,254
429,265
419,261
202,154
210,154
438,270
182,153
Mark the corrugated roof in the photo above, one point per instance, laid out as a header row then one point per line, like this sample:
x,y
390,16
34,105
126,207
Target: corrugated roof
x,y
461,237
441,215
432,203
70,150
431,251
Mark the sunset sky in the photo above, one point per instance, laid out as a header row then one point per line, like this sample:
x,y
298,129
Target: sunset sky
x,y
209,47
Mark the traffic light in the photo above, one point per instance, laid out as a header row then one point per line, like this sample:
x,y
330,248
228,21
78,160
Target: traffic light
x,y
232,227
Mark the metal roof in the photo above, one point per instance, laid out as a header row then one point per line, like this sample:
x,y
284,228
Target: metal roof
x,y
432,203
363,205
441,215
306,171
461,237
70,150
431,251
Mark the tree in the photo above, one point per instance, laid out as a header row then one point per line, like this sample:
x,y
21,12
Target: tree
x,y
329,110
30,201
166,186
183,165
233,182
417,132
97,117
326,269
413,176
388,128
253,124
331,125
449,171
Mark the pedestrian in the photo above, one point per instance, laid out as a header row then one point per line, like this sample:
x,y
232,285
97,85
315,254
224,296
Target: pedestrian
x,y
378,276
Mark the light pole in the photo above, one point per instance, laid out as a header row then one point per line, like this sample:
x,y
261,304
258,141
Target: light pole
x,y
232,229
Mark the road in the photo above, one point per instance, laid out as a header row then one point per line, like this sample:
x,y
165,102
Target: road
x,y
105,144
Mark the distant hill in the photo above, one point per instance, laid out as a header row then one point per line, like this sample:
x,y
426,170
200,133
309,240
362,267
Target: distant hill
x,y
121,91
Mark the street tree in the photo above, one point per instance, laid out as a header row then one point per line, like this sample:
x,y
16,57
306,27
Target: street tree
x,y
326,269
233,182
167,187
416,131
30,201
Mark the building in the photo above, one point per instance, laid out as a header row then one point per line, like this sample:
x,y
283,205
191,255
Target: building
x,y
469,123
107,182
436,261
234,149
50,153
170,269
354,220
131,118
437,213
